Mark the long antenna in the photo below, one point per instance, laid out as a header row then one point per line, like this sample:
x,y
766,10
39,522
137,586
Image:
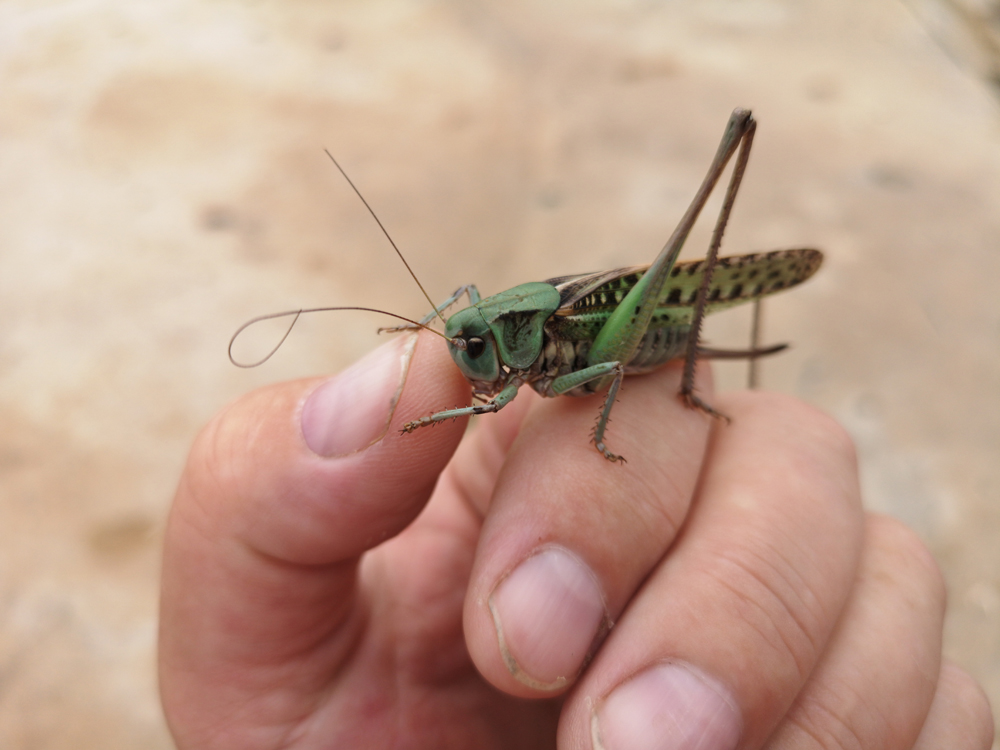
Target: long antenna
x,y
377,221
458,343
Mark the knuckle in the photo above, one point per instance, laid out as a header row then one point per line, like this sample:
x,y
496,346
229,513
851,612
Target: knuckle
x,y
774,603
806,427
837,438
900,553
817,725
970,699
827,433
960,716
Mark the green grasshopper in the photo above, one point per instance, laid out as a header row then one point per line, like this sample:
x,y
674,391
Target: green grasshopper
x,y
578,335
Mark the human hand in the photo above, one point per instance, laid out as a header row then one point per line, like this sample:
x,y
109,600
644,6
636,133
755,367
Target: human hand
x,y
754,604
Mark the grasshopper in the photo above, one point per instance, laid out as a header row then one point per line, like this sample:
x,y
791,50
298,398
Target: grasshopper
x,y
580,334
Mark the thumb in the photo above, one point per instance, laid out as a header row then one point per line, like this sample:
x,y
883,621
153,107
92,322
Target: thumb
x,y
282,492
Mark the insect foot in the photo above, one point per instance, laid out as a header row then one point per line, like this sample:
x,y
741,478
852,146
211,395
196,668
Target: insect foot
x,y
693,402
608,454
411,426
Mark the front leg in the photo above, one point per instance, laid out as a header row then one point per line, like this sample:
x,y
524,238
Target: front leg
x,y
614,370
502,399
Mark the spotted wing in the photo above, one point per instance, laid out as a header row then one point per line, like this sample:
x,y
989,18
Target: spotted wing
x,y
736,279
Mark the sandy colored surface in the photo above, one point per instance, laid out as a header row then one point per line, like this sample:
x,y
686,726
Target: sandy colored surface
x,y
162,180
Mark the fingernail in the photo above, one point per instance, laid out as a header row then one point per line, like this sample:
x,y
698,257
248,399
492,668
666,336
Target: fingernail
x,y
668,707
353,409
547,613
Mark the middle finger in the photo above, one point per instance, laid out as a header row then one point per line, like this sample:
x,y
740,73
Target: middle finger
x,y
568,536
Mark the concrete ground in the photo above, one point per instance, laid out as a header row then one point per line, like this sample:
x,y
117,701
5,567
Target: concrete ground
x,y
162,179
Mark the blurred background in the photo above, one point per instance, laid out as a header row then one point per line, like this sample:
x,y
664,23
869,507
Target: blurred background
x,y
162,179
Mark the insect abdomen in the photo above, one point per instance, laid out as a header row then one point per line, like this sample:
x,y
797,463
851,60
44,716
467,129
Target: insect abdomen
x,y
658,346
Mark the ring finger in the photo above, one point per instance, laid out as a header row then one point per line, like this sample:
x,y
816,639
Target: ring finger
x,y
721,637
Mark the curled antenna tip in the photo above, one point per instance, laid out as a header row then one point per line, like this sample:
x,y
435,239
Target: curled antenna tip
x,y
252,321
298,313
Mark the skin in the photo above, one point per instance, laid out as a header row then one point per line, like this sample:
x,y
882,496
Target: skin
x,y
344,602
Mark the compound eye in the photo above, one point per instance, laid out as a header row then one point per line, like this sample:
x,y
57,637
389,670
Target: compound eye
x,y
475,347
